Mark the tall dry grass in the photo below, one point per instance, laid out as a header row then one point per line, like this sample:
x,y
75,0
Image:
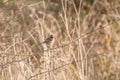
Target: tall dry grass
x,y
86,47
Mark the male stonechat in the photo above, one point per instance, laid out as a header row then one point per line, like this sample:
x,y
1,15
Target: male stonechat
x,y
49,41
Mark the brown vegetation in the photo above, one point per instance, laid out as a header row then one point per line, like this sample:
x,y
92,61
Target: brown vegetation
x,y
86,34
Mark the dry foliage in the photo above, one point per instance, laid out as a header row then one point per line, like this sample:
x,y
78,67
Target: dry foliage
x,y
86,46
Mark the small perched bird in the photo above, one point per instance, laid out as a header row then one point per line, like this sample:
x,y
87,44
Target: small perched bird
x,y
49,41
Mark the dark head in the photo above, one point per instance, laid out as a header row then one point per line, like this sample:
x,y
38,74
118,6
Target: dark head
x,y
51,36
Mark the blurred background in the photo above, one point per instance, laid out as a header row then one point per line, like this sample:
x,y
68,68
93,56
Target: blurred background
x,y
86,40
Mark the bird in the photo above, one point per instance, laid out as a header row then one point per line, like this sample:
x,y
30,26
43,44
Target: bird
x,y
49,40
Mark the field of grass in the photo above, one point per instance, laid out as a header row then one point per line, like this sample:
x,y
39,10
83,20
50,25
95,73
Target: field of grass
x,y
85,44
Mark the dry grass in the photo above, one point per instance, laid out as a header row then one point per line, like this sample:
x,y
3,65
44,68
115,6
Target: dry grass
x,y
86,47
